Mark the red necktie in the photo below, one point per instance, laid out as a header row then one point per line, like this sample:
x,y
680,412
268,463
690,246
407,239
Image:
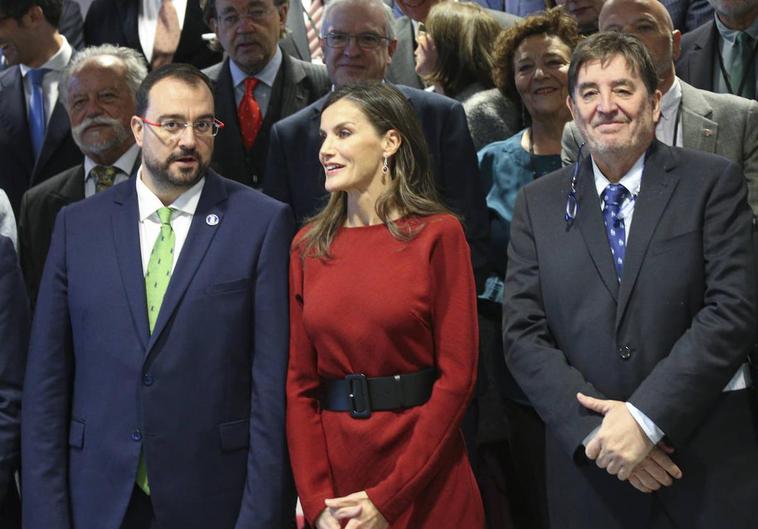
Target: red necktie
x,y
249,114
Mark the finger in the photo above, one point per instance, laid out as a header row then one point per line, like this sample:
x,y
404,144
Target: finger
x,y
591,403
666,448
345,513
645,479
637,484
592,450
665,462
657,472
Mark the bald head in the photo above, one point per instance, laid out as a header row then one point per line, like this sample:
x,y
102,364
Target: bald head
x,y
649,21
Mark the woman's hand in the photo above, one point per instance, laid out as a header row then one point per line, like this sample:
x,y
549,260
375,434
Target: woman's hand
x,y
358,509
325,520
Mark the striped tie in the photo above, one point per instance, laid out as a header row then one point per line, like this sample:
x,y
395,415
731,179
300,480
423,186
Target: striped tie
x,y
313,22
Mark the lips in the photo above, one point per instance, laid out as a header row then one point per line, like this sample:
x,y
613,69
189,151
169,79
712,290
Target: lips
x,y
544,90
332,168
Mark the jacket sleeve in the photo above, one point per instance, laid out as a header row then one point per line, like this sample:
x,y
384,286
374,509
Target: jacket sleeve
x,y
268,499
750,155
436,435
14,336
46,397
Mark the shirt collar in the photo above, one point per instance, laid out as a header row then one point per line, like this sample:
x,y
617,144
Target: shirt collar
x,y
57,62
670,100
149,203
125,163
731,34
631,180
267,75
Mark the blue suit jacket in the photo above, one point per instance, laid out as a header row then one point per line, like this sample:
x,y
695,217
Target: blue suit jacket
x,y
14,335
203,396
294,174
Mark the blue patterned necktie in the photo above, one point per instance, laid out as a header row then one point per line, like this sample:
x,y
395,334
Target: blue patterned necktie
x,y
613,195
37,122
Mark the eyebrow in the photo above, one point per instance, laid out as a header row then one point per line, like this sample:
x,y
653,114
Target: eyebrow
x,y
182,117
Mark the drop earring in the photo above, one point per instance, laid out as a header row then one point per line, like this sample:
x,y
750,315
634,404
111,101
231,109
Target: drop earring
x,y
385,170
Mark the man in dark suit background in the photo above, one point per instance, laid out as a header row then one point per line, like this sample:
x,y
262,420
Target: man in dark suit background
x,y
629,313
154,391
35,137
14,336
98,89
134,23
721,55
688,14
358,43
279,85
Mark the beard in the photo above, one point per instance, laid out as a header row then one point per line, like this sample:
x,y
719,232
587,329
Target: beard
x,y
104,144
167,177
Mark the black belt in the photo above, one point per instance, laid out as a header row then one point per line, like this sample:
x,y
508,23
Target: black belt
x,y
361,395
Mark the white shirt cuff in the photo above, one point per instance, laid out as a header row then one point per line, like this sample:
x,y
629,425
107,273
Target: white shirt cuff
x,y
652,431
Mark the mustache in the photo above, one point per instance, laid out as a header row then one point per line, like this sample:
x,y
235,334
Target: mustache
x,y
184,154
97,120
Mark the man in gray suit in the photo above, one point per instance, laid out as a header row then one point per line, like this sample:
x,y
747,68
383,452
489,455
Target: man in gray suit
x,y
98,90
256,85
697,119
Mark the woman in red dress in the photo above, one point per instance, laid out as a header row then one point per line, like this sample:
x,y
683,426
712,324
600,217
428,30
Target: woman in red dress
x,y
383,331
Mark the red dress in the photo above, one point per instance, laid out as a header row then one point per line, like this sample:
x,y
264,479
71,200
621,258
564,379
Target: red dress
x,y
381,306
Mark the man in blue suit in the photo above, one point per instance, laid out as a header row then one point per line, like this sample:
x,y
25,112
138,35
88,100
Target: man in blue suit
x,y
293,172
155,390
14,335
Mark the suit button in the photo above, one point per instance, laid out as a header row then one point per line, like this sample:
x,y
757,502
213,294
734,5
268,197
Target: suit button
x,y
136,435
625,352
148,380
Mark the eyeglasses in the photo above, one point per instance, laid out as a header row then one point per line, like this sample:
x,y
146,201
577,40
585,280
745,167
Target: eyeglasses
x,y
366,41
173,127
256,14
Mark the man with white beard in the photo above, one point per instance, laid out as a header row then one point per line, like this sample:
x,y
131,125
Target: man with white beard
x,y
98,90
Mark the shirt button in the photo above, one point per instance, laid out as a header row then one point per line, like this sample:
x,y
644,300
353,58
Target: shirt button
x,y
136,435
148,380
625,352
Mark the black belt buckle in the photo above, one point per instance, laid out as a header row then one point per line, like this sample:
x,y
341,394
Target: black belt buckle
x,y
360,404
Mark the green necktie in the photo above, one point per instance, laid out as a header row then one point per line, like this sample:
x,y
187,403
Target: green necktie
x,y
156,281
741,66
104,175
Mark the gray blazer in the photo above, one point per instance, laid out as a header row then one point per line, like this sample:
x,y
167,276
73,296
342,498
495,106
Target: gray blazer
x,y
490,115
716,123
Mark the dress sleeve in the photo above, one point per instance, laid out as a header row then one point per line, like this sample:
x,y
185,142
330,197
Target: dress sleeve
x,y
305,434
436,436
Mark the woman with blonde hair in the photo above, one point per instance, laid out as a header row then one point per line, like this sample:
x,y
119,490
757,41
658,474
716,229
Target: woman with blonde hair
x,y
383,331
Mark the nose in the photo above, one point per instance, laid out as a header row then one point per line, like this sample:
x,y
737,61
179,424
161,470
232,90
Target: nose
x,y
187,137
245,24
606,102
92,109
325,152
352,48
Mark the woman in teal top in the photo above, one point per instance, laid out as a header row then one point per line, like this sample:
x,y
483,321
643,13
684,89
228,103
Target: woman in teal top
x,y
531,67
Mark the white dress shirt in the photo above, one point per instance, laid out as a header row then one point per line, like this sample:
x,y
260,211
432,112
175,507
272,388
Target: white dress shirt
x,y
56,64
670,124
147,22
150,224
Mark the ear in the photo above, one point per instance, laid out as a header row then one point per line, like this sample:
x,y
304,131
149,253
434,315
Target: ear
x,y
34,15
656,101
213,24
391,47
391,142
676,45
138,128
282,10
571,107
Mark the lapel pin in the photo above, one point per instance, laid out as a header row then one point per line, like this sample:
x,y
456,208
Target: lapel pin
x,y
212,219
707,132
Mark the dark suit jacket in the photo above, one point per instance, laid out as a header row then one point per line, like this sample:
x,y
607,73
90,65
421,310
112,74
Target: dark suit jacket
x,y
297,85
14,337
19,170
39,207
667,339
294,174
71,24
698,57
115,22
202,396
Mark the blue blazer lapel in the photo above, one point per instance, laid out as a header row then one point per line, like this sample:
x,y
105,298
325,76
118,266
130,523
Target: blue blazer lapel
x,y
589,220
13,117
126,239
57,129
658,183
198,240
